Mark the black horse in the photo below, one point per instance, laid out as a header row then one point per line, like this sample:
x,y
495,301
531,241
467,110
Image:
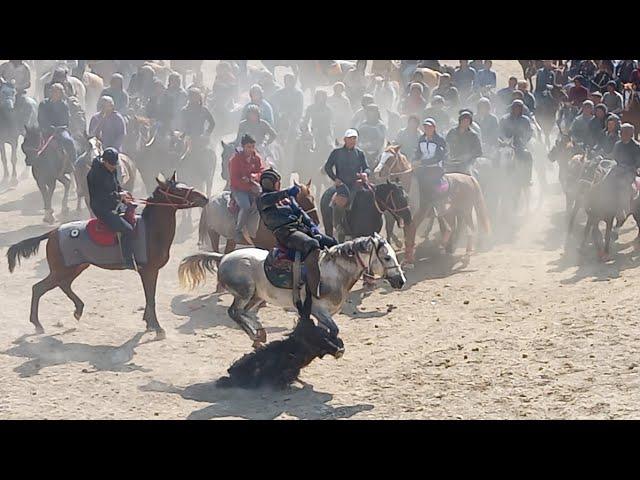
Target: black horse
x,y
49,165
365,216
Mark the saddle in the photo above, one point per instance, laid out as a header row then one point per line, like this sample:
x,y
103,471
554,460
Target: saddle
x,y
279,267
101,234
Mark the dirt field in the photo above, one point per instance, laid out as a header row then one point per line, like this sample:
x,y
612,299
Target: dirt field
x,y
520,332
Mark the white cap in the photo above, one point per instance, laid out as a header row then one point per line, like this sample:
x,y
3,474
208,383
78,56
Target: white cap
x,y
352,132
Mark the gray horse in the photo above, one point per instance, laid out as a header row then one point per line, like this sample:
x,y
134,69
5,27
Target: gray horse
x,y
242,273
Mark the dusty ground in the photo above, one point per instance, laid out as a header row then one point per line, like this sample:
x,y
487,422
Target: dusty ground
x,y
521,332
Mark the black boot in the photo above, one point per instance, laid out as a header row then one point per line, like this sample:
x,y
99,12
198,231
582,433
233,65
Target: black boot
x,y
313,272
126,245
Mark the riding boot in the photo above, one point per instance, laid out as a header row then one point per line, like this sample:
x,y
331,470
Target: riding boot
x,y
126,245
339,218
313,272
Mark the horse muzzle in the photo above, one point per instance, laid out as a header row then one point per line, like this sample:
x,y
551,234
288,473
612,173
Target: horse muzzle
x,y
397,281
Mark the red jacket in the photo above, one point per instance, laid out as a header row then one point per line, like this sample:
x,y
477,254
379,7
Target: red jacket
x,y
577,95
240,166
635,78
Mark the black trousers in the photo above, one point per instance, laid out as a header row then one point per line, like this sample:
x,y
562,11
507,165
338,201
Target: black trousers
x,y
300,241
119,224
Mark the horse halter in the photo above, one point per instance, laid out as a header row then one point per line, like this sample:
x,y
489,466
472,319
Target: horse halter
x,y
186,203
393,209
376,246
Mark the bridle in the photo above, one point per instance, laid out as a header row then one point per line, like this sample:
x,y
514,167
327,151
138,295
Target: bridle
x,y
388,204
375,249
186,203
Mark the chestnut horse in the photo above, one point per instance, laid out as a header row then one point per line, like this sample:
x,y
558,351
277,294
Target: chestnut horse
x,y
160,218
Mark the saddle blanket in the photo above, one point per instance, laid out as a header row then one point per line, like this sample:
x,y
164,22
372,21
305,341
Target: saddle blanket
x,y
278,267
78,248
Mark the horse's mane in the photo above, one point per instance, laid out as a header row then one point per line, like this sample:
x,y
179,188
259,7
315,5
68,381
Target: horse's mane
x,y
348,249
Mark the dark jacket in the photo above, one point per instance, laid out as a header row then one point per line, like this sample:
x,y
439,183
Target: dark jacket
x,y
463,145
489,127
544,78
193,119
103,189
517,128
627,155
344,164
608,141
278,210
120,98
53,114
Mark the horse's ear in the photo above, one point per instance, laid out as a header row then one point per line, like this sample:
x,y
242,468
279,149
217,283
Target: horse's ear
x,y
222,143
162,181
309,184
173,178
388,182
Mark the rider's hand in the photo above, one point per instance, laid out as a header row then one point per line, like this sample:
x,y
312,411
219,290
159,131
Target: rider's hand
x,y
293,191
315,230
126,197
363,176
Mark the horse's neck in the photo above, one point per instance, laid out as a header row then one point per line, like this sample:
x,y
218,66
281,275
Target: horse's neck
x,y
161,224
350,268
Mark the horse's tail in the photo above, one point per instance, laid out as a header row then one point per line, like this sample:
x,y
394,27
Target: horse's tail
x,y
481,207
203,227
193,269
24,249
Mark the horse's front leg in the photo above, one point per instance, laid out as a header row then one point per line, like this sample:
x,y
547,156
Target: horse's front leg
x,y
3,156
47,189
14,162
66,183
607,240
149,278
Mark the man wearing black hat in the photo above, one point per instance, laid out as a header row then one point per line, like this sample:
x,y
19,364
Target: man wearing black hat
x,y
464,144
291,225
517,127
106,196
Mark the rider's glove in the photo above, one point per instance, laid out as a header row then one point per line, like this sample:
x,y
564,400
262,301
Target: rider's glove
x,y
293,191
315,230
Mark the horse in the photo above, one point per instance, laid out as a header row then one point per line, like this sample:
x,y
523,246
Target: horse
x,y
197,162
308,158
242,273
160,220
631,107
49,165
429,76
80,91
93,148
137,135
365,216
160,155
547,110
216,220
228,150
94,86
395,167
12,120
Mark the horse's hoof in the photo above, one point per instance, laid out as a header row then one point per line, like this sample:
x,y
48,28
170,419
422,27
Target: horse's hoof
x,y
161,334
39,329
256,344
261,336
77,314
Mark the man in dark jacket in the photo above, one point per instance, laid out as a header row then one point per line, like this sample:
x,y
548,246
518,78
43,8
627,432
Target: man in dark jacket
x,y
345,166
488,123
105,198
517,127
626,153
464,144
53,118
291,226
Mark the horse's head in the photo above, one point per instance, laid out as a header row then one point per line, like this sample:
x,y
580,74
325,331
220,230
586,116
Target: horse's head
x,y
93,146
173,193
392,198
383,262
318,340
228,149
31,143
307,201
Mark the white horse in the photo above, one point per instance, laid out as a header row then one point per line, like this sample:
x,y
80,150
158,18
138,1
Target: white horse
x,y
242,273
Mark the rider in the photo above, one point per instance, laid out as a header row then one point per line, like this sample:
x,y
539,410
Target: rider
x,y
464,144
174,99
602,77
60,76
259,129
288,102
408,137
360,115
345,166
626,153
545,80
256,96
19,72
108,125
438,113
53,118
245,168
578,93
415,102
105,198
341,106
488,123
517,127
464,78
447,91
486,78
611,135
116,91
355,81
579,131
321,118
597,124
429,166
142,82
193,117
612,98
528,99
372,133
292,226
505,94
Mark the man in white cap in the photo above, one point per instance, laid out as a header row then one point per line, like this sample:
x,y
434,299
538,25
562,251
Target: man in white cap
x,y
345,166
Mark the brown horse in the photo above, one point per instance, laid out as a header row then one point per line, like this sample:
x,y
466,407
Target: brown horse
x,y
216,213
160,219
547,111
465,195
631,107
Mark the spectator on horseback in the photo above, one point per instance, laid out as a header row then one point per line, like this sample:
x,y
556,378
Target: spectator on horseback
x,y
360,115
626,153
447,91
291,225
288,103
341,106
438,112
193,117
345,166
414,103
20,73
624,69
106,198
108,125
517,127
59,76
142,83
486,78
259,129
597,124
488,123
528,99
505,94
578,93
428,162
545,80
612,98
464,78
321,118
155,110
580,131
174,99
245,168
257,98
408,137
372,134
610,136
463,143
116,91
53,119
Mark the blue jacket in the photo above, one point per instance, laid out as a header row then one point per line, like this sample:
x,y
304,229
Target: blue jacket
x,y
544,77
486,78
